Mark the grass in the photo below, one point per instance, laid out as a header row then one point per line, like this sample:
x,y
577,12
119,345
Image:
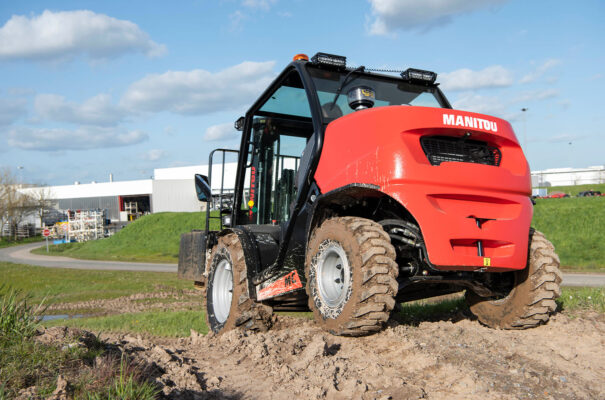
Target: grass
x,y
178,323
574,190
573,299
576,226
18,316
430,309
4,242
128,383
152,238
69,285
24,362
157,323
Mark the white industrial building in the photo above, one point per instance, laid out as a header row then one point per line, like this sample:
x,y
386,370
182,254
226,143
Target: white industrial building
x,y
568,176
171,189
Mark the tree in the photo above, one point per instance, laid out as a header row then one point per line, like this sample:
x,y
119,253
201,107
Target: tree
x,y
43,198
14,205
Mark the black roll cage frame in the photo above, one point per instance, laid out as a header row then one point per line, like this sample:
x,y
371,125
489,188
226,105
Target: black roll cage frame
x,y
319,126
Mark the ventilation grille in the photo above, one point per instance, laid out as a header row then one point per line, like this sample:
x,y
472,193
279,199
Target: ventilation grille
x,y
439,149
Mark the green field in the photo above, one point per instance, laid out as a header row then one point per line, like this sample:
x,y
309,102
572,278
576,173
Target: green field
x,y
152,238
576,226
54,285
8,243
58,285
164,323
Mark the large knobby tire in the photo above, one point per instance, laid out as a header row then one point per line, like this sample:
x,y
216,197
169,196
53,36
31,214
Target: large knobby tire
x,y
351,276
532,297
228,303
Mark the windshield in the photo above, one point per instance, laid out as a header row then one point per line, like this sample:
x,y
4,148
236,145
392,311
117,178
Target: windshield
x,y
388,91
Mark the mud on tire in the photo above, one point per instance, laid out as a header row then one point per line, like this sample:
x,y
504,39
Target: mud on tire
x,y
228,303
351,276
532,298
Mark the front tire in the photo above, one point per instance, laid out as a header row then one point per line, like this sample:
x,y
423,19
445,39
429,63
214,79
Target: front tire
x,y
351,276
228,303
531,299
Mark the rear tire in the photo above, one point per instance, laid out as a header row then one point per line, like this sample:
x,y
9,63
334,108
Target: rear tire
x,y
228,303
532,298
351,276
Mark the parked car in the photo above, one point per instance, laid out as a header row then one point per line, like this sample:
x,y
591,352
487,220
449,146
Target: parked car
x,y
589,193
556,195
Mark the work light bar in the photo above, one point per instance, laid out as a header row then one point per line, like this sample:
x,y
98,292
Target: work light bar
x,y
330,60
419,75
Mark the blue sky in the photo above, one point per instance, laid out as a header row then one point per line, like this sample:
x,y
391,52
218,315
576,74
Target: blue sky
x,y
89,88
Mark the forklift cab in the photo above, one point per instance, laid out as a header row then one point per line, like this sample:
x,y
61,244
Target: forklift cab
x,y
282,136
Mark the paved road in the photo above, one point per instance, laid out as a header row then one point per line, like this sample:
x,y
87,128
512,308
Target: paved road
x,y
22,255
585,280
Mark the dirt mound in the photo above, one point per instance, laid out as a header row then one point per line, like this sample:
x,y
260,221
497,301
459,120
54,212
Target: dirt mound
x,y
436,360
61,335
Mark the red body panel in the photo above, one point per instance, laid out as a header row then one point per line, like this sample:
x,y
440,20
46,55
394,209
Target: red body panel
x,y
381,146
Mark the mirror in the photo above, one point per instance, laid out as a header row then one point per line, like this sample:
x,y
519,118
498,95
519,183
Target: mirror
x,y
239,124
202,188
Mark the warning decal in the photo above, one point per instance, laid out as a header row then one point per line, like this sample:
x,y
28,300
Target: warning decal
x,y
286,283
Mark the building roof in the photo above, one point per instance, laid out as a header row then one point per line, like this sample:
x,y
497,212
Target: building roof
x,y
104,189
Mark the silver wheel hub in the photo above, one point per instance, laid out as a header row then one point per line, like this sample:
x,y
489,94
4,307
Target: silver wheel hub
x,y
222,291
333,275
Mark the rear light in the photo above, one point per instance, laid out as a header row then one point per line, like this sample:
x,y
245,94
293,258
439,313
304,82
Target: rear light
x,y
300,56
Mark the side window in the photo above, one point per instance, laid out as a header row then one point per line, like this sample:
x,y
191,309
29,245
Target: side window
x,y
273,163
280,131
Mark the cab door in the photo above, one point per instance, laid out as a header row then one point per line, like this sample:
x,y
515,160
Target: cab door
x,y
278,133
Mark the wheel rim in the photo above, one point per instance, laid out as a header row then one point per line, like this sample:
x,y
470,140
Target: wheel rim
x,y
222,291
333,275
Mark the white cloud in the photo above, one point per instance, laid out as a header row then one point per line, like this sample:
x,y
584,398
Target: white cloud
x,y
391,15
11,110
560,138
97,110
466,79
170,130
64,139
63,34
154,155
565,137
198,91
480,104
540,70
536,95
264,5
20,91
236,21
222,132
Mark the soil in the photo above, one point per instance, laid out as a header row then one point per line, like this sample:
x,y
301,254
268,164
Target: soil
x,y
452,358
434,360
156,301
